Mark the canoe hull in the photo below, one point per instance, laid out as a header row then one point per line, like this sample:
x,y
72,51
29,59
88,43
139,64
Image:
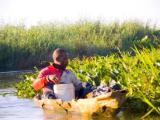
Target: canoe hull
x,y
104,104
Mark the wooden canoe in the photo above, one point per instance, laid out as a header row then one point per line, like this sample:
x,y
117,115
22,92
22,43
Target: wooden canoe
x,y
103,104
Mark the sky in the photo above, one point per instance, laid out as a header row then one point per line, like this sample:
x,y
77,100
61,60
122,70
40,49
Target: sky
x,y
33,12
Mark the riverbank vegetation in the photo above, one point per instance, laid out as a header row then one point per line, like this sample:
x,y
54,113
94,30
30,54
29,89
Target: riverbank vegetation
x,y
24,48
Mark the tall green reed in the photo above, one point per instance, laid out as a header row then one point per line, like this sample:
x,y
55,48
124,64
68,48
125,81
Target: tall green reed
x,y
22,48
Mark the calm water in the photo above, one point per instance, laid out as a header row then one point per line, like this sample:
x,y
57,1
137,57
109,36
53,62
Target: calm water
x,y
14,108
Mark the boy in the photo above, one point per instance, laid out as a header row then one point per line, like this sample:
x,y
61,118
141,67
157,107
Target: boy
x,y
56,74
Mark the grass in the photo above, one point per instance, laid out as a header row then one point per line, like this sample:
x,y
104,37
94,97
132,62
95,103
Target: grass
x,y
22,48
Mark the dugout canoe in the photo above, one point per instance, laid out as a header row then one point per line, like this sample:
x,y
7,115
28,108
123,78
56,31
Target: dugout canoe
x,y
103,104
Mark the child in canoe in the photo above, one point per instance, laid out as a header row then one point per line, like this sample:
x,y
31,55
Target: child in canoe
x,y
58,74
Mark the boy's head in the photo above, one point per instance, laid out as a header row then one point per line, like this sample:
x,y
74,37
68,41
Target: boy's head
x,y
60,57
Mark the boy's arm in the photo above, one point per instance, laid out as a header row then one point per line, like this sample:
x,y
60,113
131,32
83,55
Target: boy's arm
x,y
41,80
44,78
39,83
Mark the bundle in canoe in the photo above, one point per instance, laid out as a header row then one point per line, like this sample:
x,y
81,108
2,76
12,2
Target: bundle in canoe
x,y
103,104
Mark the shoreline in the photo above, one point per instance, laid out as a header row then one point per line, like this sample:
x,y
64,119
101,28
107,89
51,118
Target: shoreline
x,y
16,72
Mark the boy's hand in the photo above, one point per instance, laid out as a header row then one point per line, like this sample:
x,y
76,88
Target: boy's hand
x,y
53,78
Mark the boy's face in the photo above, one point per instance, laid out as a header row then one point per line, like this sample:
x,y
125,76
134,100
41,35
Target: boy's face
x,y
62,60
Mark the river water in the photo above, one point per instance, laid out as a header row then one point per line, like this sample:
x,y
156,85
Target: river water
x,y
14,108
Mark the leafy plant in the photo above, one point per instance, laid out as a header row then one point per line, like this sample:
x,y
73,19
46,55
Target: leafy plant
x,y
24,88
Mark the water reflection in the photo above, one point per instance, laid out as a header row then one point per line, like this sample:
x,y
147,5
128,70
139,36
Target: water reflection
x,y
8,79
12,108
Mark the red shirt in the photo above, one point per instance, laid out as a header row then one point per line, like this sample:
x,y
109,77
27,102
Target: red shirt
x,y
50,70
